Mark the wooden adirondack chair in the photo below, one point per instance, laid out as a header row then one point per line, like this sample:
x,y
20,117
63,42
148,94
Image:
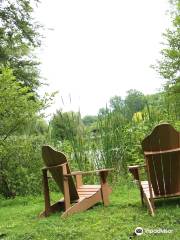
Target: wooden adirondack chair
x,y
77,197
162,163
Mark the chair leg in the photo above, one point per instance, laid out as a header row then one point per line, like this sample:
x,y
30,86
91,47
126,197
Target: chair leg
x,y
104,188
66,189
83,204
46,193
150,205
79,181
56,207
141,194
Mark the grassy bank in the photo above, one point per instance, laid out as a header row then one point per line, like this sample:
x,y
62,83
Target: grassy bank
x,y
18,219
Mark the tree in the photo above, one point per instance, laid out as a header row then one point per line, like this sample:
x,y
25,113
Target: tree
x,y
169,64
134,102
35,126
19,100
17,104
103,111
89,120
65,125
16,109
116,103
19,36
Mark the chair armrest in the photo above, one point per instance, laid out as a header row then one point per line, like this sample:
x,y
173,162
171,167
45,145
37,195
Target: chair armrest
x,y
98,171
74,173
137,166
134,170
89,172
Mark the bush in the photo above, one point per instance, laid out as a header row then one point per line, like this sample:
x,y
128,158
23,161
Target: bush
x,y
21,165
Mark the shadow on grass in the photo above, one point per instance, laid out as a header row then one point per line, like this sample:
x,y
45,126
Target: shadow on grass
x,y
172,202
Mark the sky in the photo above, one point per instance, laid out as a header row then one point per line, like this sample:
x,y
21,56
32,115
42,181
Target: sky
x,y
98,49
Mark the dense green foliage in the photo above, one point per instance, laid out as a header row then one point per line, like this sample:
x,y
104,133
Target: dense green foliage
x,y
19,36
134,102
17,152
65,125
17,104
89,120
169,64
114,138
20,103
20,166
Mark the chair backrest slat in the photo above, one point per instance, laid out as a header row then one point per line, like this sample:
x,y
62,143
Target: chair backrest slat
x,y
164,168
175,168
51,158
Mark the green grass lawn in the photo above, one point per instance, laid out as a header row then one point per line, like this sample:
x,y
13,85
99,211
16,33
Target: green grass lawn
x,y
18,219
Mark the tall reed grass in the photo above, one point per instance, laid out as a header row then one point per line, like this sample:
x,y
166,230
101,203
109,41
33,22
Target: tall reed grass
x,y
115,141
